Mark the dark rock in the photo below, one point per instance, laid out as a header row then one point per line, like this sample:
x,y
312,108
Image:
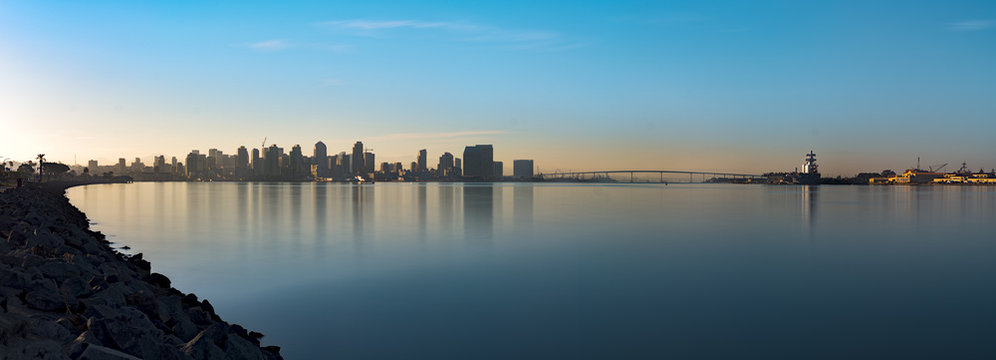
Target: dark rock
x,y
199,316
271,352
49,329
17,238
44,296
239,348
190,300
129,331
98,283
83,341
72,323
59,270
183,328
114,296
43,239
169,307
239,330
97,352
75,242
111,278
76,287
66,294
91,247
13,277
159,280
144,302
31,260
42,350
140,263
206,305
207,344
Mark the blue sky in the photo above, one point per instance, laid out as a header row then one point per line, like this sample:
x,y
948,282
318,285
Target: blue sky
x,y
719,85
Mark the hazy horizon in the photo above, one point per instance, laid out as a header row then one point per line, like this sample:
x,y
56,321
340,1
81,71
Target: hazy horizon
x,y
721,86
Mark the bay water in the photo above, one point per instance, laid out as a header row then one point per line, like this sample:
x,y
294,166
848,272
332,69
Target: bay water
x,y
556,270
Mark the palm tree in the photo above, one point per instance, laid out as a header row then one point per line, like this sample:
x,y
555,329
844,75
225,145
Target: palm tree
x,y
41,166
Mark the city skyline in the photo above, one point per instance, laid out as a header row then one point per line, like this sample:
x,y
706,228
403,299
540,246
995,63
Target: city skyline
x,y
273,163
718,86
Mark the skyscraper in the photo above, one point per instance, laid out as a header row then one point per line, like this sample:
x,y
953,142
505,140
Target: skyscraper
x,y
499,169
217,158
296,166
356,167
423,165
335,165
321,159
159,164
92,165
241,161
196,164
368,161
271,162
256,164
522,169
478,162
137,166
445,167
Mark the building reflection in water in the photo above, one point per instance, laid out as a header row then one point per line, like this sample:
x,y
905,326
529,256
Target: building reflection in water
x,y
242,216
422,206
295,199
363,197
522,206
270,216
478,212
810,197
321,212
446,205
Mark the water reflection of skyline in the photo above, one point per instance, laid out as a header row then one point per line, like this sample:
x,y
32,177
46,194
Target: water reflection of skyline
x,y
478,212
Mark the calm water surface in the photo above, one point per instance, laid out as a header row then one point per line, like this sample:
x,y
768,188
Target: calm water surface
x,y
471,271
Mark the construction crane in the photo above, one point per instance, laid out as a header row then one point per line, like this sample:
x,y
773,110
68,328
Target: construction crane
x,y
264,143
938,167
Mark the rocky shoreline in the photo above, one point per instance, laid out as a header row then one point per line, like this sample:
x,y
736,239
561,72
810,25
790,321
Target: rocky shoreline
x,y
66,294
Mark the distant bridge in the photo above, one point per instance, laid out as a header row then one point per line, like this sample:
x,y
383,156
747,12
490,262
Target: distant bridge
x,y
604,174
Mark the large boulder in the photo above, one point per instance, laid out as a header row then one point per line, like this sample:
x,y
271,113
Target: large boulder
x,y
128,330
45,296
97,352
207,344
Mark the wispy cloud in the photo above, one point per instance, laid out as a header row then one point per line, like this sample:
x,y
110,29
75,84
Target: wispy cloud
x,y
972,25
283,44
453,31
270,45
438,135
395,24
